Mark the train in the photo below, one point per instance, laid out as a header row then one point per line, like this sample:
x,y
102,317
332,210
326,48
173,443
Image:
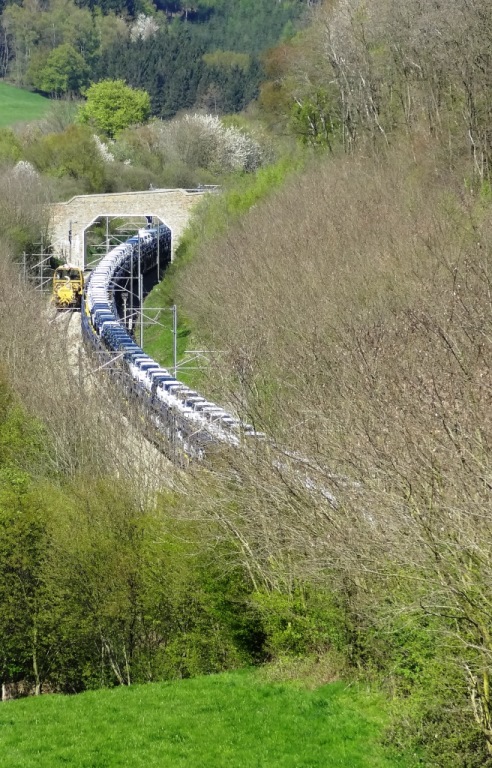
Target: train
x,y
189,423
68,287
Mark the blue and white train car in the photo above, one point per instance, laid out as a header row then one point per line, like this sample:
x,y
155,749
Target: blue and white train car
x,y
189,422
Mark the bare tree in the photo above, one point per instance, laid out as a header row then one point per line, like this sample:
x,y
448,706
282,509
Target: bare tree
x,y
352,315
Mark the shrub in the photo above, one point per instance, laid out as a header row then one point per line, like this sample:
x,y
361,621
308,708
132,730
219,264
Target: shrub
x,y
73,153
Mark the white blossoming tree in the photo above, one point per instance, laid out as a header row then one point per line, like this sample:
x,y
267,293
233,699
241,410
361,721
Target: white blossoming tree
x,y
202,141
143,28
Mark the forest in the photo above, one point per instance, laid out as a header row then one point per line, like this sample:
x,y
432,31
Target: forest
x,y
340,286
208,56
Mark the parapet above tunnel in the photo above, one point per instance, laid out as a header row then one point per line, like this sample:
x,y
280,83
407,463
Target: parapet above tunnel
x,y
70,220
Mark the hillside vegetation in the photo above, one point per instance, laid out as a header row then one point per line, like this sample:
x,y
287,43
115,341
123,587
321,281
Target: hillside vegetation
x,y
346,313
351,314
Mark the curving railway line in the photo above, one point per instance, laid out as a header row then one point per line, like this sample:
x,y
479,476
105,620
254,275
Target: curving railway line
x,y
190,424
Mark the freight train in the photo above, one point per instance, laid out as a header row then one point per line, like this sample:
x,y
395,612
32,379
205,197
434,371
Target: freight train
x,y
190,424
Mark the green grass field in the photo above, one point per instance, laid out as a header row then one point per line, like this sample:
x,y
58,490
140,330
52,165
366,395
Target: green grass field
x,y
231,720
18,105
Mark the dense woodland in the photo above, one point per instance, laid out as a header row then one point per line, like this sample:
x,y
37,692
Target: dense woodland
x,y
341,284
205,56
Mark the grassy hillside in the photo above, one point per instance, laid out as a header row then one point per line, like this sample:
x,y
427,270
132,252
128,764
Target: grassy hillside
x,y
18,105
224,720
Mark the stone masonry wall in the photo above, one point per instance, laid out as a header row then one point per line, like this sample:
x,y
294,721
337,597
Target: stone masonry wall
x,y
172,206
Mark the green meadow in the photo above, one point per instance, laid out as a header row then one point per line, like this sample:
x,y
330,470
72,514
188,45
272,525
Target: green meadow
x,y
236,720
18,105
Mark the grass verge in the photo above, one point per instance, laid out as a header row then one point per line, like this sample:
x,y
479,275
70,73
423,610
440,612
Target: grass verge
x,y
18,105
233,719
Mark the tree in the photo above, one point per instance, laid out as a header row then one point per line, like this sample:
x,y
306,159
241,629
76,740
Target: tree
x,y
112,106
143,28
65,72
22,546
203,141
31,31
10,146
73,153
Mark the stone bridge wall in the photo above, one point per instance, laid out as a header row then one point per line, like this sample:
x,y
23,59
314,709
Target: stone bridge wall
x,y
172,206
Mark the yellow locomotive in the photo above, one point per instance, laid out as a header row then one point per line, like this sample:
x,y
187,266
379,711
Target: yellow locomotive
x,y
68,285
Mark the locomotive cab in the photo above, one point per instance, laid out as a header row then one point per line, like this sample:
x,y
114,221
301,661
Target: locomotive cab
x,y
68,285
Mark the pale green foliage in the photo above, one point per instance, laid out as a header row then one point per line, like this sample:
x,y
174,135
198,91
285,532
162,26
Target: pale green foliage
x,y
65,71
10,148
73,153
313,118
110,29
112,106
227,60
32,30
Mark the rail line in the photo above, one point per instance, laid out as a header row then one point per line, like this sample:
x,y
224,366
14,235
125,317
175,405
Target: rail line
x,y
190,424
